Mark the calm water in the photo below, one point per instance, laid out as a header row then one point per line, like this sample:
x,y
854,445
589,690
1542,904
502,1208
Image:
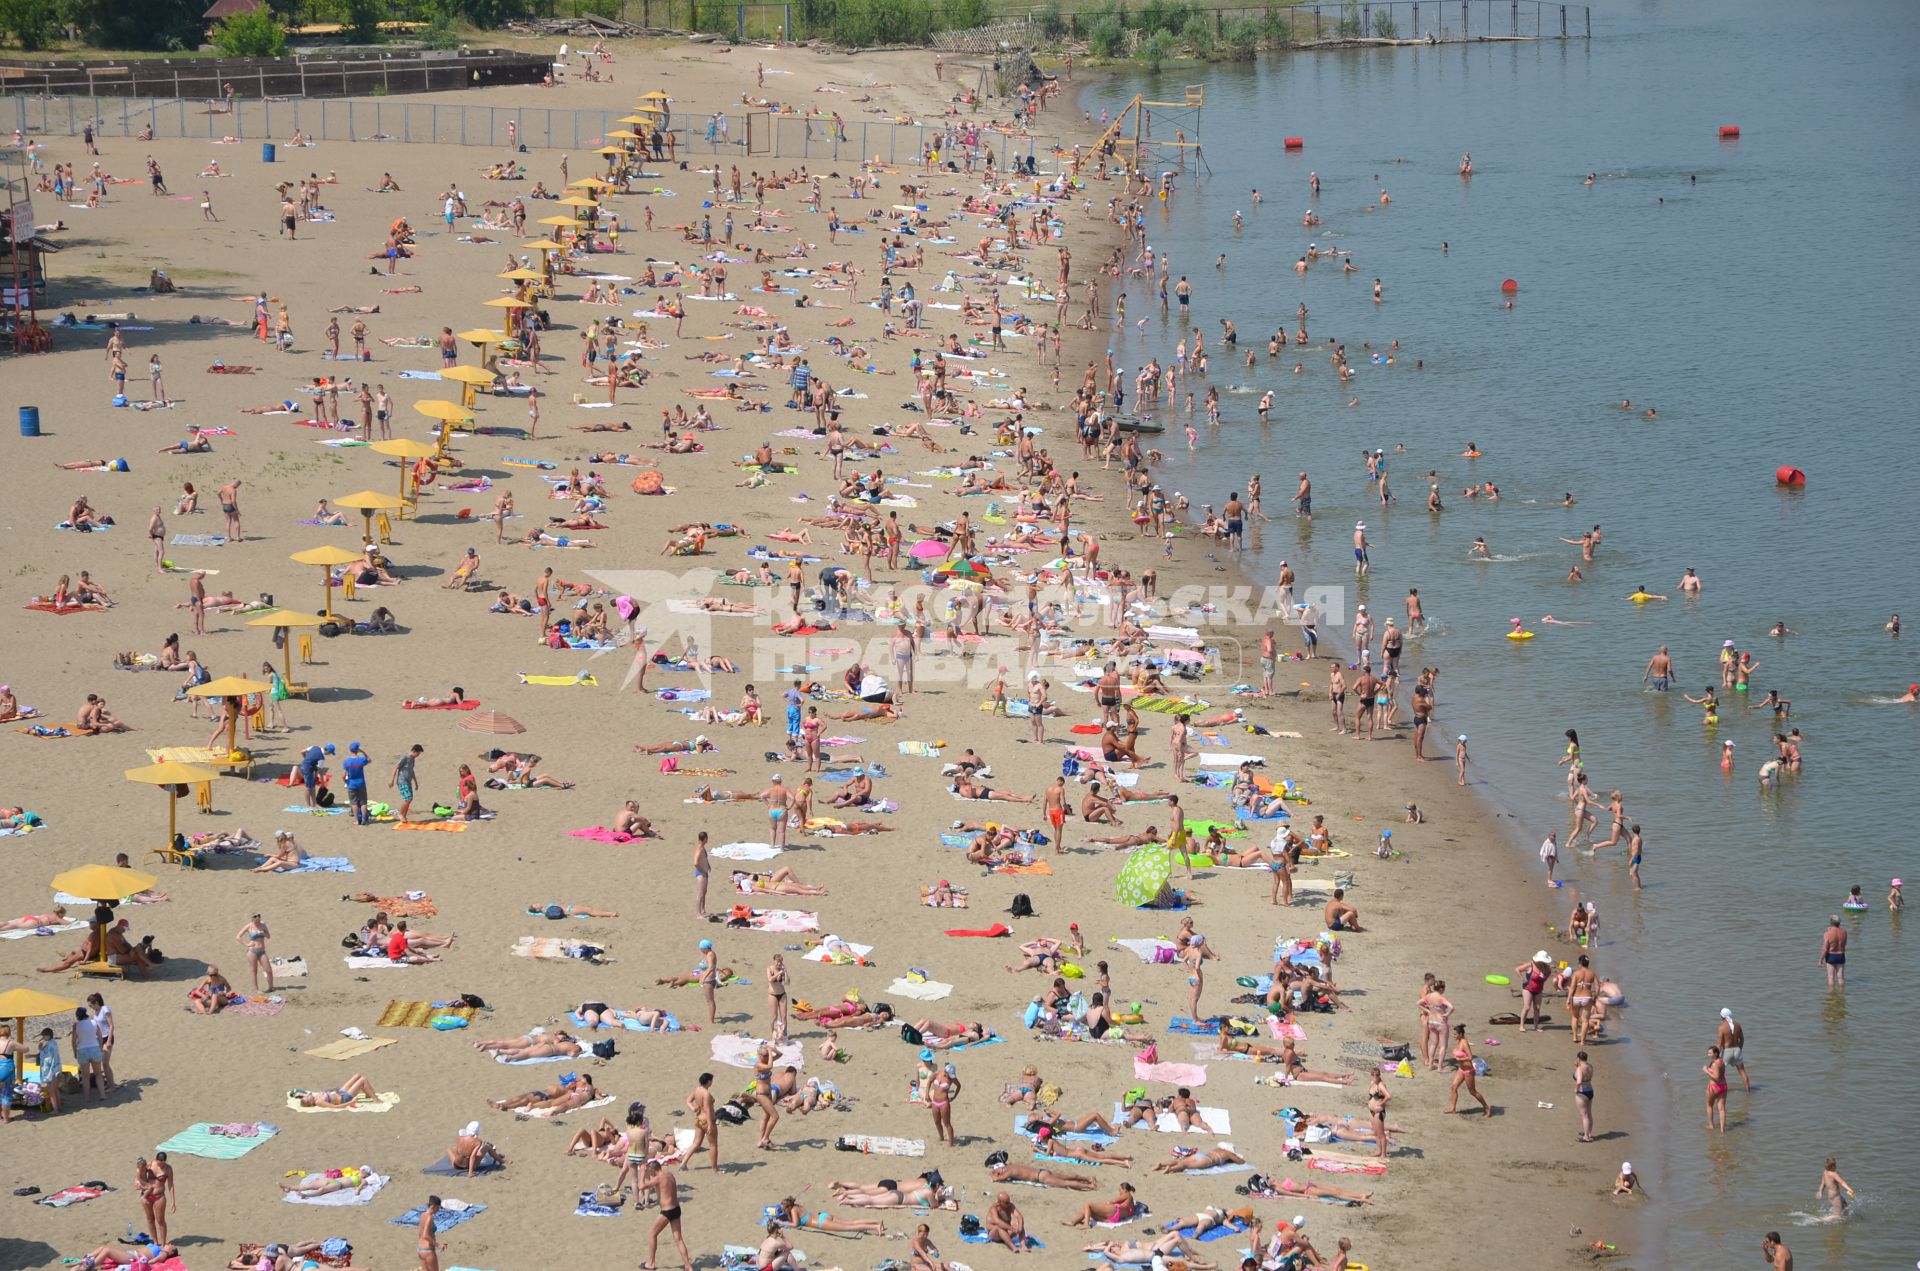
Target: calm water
x,y
1765,311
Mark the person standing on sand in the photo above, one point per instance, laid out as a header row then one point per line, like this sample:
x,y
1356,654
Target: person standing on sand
x,y
709,978
1583,1094
403,779
779,803
1460,760
702,868
705,1127
230,508
428,1244
660,1180
1833,952
197,600
1733,1042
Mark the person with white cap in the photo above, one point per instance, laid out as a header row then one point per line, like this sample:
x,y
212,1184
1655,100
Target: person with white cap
x,y
1732,1040
1360,546
1533,985
1460,759
470,1152
779,801
1628,1184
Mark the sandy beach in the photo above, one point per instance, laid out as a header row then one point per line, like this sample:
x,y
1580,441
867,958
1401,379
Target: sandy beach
x,y
1457,1190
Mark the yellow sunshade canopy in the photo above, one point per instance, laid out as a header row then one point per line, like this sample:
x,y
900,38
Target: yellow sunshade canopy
x,y
102,882
507,302
27,1003
225,686
370,501
446,412
478,336
281,618
515,275
170,772
545,245
399,448
557,220
328,555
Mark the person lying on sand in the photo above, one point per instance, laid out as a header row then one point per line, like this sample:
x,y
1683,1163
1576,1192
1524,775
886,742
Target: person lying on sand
x,y
781,882
1186,1158
725,975
56,917
540,1046
968,788
846,1014
1041,1176
599,1015
1169,1246
347,1093
888,1194
938,1036
556,911
348,1178
561,1096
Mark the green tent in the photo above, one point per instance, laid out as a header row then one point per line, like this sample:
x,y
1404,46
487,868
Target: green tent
x,y
1144,875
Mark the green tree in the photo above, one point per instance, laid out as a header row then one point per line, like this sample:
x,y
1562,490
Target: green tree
x,y
1156,49
152,24
362,19
29,22
256,34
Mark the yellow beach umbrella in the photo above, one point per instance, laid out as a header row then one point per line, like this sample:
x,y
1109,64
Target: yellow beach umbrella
x,y
545,245
172,774
509,304
633,119
522,274
109,885
20,1005
563,222
470,378
577,200
227,688
326,557
590,183
624,134
284,620
404,448
445,412
610,151
367,502
645,110
657,95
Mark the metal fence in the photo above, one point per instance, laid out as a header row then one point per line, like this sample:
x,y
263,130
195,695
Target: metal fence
x,y
378,119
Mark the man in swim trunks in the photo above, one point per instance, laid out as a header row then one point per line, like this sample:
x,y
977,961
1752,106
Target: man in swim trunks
x,y
1733,1040
1659,672
1833,952
1054,800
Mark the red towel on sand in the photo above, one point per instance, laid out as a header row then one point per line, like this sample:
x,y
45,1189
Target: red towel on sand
x,y
997,929
467,705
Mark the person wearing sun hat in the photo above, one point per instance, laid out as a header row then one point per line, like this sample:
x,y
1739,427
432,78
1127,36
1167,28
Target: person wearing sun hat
x,y
1732,1042
1460,759
1896,899
709,977
1360,546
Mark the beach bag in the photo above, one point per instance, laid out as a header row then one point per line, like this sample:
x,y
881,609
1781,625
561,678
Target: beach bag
x,y
970,1223
731,1112
997,1158
1022,905
1395,1054
474,1000
669,763
323,797
910,1035
1163,953
604,1049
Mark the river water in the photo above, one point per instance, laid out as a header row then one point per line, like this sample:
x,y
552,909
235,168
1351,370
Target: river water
x,y
1760,294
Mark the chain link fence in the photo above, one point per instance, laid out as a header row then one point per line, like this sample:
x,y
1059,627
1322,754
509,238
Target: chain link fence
x,y
757,134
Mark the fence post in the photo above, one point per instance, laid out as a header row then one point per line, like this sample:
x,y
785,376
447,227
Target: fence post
x,y
463,125
1366,18
1515,19
1589,12
1416,18
1466,24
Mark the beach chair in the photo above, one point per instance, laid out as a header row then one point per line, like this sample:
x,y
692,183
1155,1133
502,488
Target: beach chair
x,y
178,853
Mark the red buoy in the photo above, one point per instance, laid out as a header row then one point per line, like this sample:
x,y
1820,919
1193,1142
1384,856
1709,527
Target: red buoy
x,y
1295,143
1509,286
1786,474
1729,131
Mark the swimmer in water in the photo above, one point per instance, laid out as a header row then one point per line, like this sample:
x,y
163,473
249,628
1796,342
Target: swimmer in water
x,y
1780,628
1892,626
1550,620
1479,549
1911,695
1854,899
1567,502
1896,899
1640,594
1835,1190
1471,452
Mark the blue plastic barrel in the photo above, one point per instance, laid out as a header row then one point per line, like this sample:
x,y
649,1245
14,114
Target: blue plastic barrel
x,y
266,152
29,421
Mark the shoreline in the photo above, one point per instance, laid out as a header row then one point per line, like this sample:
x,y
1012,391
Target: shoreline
x,y
528,858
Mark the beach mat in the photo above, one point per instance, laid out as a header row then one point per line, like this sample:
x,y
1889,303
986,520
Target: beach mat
x,y
383,1102
199,1139
405,1014
352,1047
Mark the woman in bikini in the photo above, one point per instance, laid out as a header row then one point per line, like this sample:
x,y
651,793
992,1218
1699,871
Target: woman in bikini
x,y
1120,1209
1186,1158
1436,1013
778,999
1463,1074
343,1095
1582,988
763,1061
821,1220
428,1245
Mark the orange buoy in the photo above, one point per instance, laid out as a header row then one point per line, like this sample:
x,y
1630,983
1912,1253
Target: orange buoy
x,y
1295,143
1786,474
1729,131
1509,286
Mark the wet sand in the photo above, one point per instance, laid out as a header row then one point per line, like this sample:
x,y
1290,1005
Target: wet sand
x,y
1460,1192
